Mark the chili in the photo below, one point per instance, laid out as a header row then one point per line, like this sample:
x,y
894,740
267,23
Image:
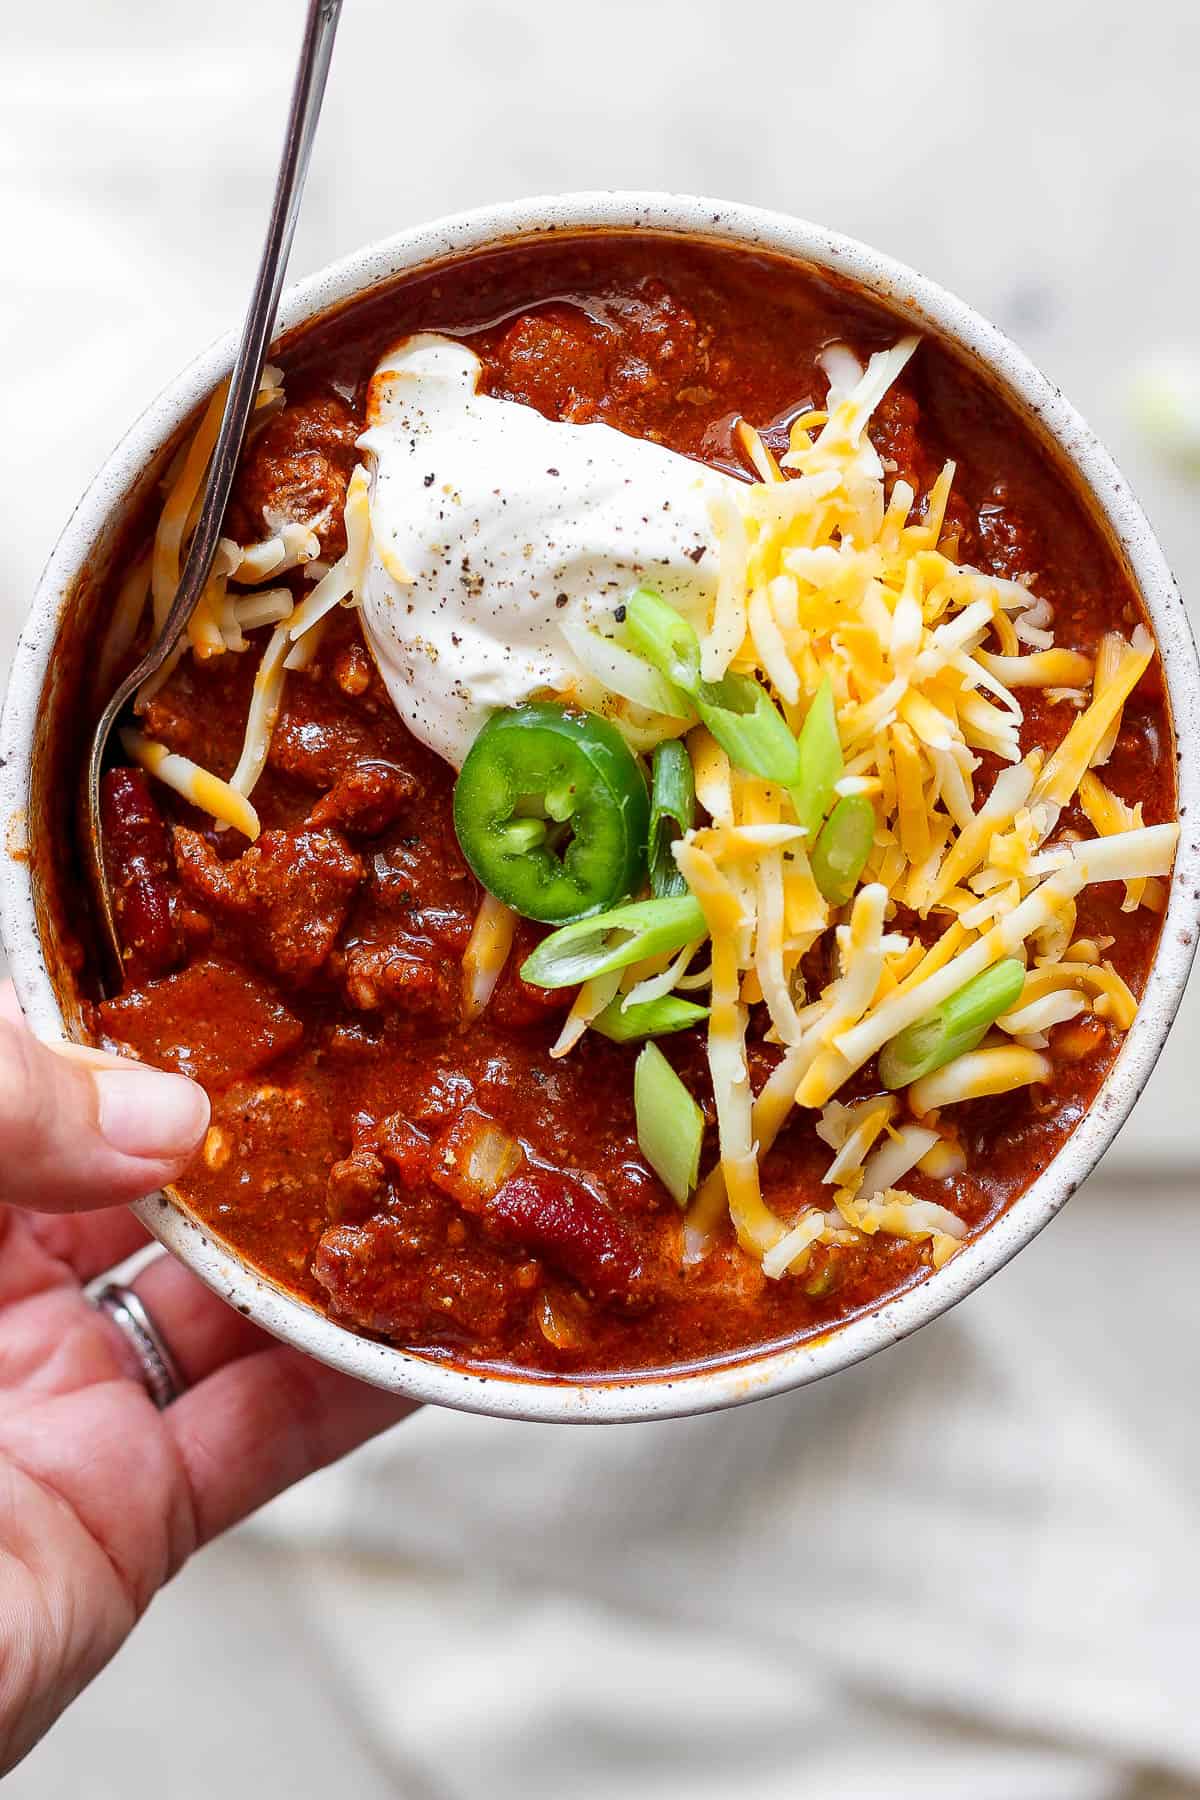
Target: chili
x,y
317,990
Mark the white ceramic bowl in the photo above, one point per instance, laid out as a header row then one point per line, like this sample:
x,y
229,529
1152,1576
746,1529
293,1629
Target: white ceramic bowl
x,y
87,542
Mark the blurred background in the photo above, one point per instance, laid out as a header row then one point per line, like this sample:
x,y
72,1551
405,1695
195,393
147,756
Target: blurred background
x,y
972,1567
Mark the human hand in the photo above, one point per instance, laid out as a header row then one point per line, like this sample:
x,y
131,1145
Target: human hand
x,y
102,1497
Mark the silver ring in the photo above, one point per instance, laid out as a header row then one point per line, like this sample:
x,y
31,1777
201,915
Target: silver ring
x,y
156,1367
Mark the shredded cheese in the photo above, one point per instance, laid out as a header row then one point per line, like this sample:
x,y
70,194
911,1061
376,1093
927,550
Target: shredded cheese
x,y
126,620
1109,815
791,1250
900,1214
993,1070
1068,765
824,578
894,1159
591,999
756,1226
343,582
866,1121
203,789
265,703
486,954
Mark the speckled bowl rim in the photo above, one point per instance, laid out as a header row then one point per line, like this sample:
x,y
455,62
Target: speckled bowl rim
x,y
732,1382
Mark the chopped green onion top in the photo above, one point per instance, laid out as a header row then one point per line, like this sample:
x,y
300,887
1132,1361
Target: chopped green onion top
x,y
821,765
954,1027
672,812
664,637
749,728
670,1125
647,1018
622,672
613,940
842,848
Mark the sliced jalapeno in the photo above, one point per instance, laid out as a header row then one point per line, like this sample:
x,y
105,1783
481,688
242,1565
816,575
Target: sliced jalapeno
x,y
552,812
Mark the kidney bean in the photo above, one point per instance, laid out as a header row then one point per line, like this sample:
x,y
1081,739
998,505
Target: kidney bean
x,y
561,1219
140,869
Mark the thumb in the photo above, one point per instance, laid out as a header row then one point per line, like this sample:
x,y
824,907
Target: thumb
x,y
82,1129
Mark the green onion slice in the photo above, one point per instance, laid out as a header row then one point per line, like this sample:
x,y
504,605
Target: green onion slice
x,y
737,710
672,812
647,1018
664,637
623,673
821,764
750,728
670,1126
613,940
842,848
954,1027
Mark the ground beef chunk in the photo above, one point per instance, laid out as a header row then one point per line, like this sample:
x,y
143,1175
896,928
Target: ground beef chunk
x,y
366,799
320,737
397,1274
896,434
201,712
291,889
555,360
390,1149
1006,543
354,1186
406,1152
401,975
574,366
297,468
212,1021
661,343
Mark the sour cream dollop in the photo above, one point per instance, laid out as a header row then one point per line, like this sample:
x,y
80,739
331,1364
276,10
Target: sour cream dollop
x,y
491,526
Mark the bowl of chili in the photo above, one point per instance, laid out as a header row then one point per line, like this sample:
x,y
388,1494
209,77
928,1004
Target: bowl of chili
x,y
677,276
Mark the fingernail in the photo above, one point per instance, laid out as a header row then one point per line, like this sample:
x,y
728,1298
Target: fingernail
x,y
146,1113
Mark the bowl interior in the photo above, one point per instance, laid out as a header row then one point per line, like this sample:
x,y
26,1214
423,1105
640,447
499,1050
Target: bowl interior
x,y
44,717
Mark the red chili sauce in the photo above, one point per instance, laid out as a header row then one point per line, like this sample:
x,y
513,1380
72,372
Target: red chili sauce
x,y
312,983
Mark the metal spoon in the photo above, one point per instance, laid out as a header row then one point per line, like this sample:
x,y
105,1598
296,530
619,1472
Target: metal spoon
x,y
307,94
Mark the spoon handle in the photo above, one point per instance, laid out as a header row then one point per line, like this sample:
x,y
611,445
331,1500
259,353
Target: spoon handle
x,y
307,93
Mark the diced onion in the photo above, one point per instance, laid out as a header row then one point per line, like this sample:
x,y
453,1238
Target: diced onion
x,y
475,1158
